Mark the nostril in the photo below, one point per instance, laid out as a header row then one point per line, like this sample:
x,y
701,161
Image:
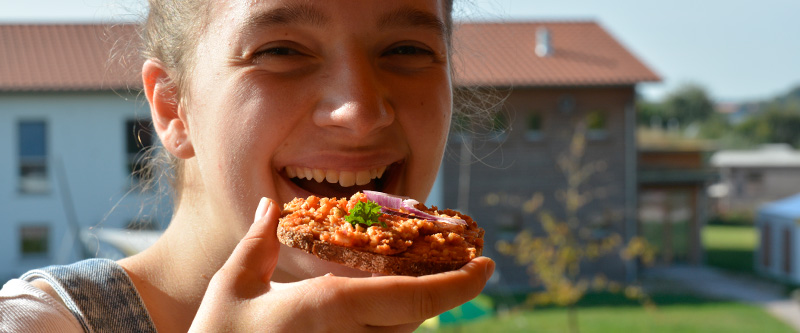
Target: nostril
x,y
357,117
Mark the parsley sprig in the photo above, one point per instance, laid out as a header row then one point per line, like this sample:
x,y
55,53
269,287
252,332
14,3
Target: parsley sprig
x,y
366,213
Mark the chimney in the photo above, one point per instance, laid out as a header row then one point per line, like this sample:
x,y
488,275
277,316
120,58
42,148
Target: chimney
x,y
544,47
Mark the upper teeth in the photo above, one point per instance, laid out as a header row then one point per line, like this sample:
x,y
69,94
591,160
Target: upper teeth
x,y
343,178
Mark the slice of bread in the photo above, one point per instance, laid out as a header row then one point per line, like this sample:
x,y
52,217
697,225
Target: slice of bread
x,y
406,246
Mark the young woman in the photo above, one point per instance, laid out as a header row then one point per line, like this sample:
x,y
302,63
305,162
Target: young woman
x,y
245,92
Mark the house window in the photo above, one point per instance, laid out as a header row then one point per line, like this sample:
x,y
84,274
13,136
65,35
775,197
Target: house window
x,y
596,125
461,127
34,240
754,183
500,127
139,139
533,132
766,245
33,157
788,248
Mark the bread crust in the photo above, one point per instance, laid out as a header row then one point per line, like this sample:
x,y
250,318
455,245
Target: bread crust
x,y
366,261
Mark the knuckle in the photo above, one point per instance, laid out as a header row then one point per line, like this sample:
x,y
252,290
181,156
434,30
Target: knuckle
x,y
426,302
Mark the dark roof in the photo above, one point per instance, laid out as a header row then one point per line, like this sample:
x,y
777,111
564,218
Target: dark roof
x,y
68,57
504,54
75,57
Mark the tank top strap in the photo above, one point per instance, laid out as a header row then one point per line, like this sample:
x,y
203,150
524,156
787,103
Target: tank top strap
x,y
99,293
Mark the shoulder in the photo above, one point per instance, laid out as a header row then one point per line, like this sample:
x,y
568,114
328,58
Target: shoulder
x,y
26,308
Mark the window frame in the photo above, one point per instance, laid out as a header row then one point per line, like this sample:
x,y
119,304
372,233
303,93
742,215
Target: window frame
x,y
500,126
47,239
597,134
534,135
42,161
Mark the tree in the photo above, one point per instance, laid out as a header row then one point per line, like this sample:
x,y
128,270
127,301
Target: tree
x,y
689,103
776,124
651,114
685,105
553,257
716,126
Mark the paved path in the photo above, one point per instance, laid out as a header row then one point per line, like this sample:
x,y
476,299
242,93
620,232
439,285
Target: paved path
x,y
716,283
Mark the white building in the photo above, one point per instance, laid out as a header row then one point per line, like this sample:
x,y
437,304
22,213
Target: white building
x,y
68,130
751,178
778,253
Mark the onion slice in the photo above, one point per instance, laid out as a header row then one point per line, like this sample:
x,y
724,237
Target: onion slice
x,y
390,202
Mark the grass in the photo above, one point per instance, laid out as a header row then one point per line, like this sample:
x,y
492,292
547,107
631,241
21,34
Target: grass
x,y
730,247
674,313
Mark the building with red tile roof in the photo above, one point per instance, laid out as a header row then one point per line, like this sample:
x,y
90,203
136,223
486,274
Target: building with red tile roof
x,y
580,53
69,130
68,57
568,90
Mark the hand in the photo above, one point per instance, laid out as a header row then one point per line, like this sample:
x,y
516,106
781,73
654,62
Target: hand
x,y
241,298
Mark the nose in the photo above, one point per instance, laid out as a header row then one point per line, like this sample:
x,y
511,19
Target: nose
x,y
354,102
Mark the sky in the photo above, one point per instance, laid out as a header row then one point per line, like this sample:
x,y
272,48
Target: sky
x,y
739,50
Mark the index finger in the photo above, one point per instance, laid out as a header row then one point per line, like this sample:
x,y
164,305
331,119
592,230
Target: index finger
x,y
395,300
257,252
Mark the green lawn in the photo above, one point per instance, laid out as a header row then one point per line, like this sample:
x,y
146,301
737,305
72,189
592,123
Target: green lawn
x,y
730,246
674,313
727,246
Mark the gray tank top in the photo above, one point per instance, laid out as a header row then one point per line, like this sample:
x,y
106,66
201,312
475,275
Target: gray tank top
x,y
99,294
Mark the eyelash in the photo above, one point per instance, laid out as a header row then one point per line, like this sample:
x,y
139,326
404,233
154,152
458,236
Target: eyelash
x,y
277,51
408,50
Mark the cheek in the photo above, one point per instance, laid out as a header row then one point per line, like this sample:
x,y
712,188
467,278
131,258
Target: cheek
x,y
428,123
425,121
238,134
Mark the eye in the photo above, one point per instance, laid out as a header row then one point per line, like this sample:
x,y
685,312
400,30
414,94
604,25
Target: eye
x,y
410,57
277,51
282,57
408,50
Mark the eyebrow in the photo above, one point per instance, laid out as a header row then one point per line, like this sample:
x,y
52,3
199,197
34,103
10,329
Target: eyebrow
x,y
289,14
307,14
409,16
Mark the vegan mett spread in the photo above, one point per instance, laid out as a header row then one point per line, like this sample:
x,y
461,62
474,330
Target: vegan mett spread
x,y
377,232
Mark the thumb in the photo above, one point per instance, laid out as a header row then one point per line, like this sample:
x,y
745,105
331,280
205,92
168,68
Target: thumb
x,y
257,253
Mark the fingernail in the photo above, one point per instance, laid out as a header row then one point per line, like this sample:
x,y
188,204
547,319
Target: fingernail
x,y
489,269
262,209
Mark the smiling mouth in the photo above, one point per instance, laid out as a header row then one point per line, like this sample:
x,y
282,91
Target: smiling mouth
x,y
340,183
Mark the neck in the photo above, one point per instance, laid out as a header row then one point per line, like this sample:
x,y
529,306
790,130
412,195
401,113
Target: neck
x,y
172,275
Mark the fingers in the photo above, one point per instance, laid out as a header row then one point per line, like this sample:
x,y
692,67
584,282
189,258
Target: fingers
x,y
410,327
257,253
396,300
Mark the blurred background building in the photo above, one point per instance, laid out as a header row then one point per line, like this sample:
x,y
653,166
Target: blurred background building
x,y
71,125
557,80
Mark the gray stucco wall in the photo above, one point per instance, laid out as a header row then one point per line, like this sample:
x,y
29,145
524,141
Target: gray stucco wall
x,y
505,174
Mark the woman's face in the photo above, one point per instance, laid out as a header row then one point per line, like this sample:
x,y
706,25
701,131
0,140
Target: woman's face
x,y
354,95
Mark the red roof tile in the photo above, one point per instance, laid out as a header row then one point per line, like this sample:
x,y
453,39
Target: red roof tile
x,y
68,57
503,54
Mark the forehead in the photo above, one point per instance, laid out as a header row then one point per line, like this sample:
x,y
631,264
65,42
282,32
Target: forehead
x,y
245,15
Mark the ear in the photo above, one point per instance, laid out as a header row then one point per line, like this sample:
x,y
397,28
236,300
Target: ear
x,y
169,117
